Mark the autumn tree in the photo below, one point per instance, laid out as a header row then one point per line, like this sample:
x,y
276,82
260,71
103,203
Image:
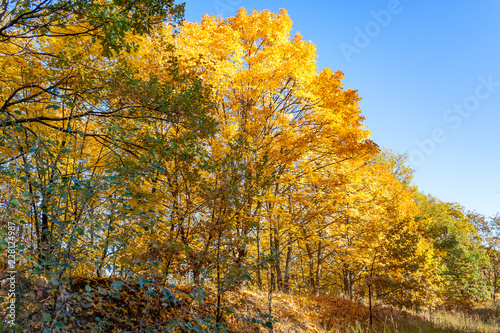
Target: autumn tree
x,y
279,118
73,114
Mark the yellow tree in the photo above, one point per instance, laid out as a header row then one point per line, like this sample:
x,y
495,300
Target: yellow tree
x,y
70,118
277,114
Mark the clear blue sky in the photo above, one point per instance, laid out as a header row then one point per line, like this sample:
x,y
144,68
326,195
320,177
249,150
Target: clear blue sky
x,y
429,76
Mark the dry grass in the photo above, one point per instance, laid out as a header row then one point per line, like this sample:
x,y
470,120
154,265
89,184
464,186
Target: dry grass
x,y
296,313
249,311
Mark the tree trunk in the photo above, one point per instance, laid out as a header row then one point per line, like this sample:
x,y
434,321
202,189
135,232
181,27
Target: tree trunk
x,y
259,266
288,266
317,286
370,302
311,266
45,245
272,279
277,262
347,282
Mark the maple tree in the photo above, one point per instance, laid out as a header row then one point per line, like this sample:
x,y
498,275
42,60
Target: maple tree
x,y
68,111
268,129
71,114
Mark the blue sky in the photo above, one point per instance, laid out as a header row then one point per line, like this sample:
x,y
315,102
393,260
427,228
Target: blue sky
x,y
428,73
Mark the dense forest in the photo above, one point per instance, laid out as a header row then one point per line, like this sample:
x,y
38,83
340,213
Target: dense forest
x,y
161,175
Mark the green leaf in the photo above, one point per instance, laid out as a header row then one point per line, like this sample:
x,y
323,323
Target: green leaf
x,y
55,107
246,277
87,287
117,285
46,316
59,324
14,202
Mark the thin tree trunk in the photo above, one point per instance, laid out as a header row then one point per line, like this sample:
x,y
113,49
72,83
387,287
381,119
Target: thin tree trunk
x,y
279,274
317,286
347,274
271,271
259,266
311,266
288,266
370,302
218,316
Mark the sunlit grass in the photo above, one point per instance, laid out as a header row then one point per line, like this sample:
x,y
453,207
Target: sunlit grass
x,y
481,320
330,314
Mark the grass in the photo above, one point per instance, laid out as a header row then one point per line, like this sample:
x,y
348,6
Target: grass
x,y
479,320
248,311
329,314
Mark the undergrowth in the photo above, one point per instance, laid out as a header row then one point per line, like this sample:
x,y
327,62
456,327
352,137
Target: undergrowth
x,y
110,305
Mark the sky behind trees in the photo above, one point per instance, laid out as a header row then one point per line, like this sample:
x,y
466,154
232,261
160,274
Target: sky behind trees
x,y
428,74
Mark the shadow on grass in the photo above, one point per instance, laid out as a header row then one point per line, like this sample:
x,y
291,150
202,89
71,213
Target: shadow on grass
x,y
480,320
